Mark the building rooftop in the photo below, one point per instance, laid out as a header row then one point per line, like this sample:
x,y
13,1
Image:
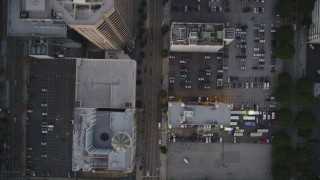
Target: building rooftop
x,y
117,153
82,12
180,114
106,83
34,18
199,37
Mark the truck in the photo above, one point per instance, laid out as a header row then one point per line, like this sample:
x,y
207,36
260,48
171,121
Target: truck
x,y
249,118
262,130
186,161
238,134
255,134
233,123
228,129
234,117
264,115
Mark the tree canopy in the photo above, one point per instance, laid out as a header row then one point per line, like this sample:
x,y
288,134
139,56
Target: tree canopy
x,y
163,149
306,6
280,172
303,157
284,50
284,78
283,93
139,104
284,8
284,116
163,93
305,85
164,53
282,156
305,120
164,29
284,33
306,22
305,100
282,139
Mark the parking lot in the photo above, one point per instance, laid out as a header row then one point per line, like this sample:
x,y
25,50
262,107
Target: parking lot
x,y
50,111
240,71
218,161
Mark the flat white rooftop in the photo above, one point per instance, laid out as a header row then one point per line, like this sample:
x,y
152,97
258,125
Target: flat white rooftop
x,y
180,114
34,18
106,83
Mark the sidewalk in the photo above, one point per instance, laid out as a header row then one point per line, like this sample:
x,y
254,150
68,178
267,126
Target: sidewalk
x,y
165,86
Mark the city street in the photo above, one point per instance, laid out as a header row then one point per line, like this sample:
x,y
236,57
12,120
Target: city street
x,y
152,86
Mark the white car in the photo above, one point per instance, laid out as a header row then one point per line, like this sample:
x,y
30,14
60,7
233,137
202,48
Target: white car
x,y
188,87
318,71
159,141
44,90
30,111
44,155
29,148
43,143
183,61
44,132
44,114
44,105
311,46
243,67
207,57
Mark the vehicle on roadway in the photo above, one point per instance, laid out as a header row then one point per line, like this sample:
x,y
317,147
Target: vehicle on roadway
x,y
186,161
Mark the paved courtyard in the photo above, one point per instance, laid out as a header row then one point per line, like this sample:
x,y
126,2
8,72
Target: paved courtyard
x,y
218,161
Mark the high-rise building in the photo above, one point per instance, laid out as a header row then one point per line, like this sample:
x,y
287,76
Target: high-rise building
x,y
314,32
105,23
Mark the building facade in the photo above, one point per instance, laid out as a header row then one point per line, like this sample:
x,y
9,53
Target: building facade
x,y
105,23
314,32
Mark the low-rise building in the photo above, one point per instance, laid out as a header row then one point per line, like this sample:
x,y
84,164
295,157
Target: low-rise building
x,y
181,115
199,37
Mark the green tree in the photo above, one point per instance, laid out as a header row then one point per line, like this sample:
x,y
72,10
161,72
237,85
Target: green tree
x,y
305,85
142,30
284,116
281,172
163,149
140,23
143,17
164,53
282,156
141,55
306,6
284,8
284,33
306,174
142,44
143,3
284,50
284,78
304,133
283,94
282,140
139,104
303,157
306,22
305,120
141,10
139,82
164,29
305,100
163,93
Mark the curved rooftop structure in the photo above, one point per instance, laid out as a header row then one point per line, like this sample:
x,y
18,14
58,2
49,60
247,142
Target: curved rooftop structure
x,y
121,142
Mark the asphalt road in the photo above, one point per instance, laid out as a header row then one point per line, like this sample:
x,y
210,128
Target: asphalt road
x,y
15,76
152,86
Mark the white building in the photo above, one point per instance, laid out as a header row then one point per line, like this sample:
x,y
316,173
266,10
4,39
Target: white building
x,y
105,104
314,32
199,37
181,114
